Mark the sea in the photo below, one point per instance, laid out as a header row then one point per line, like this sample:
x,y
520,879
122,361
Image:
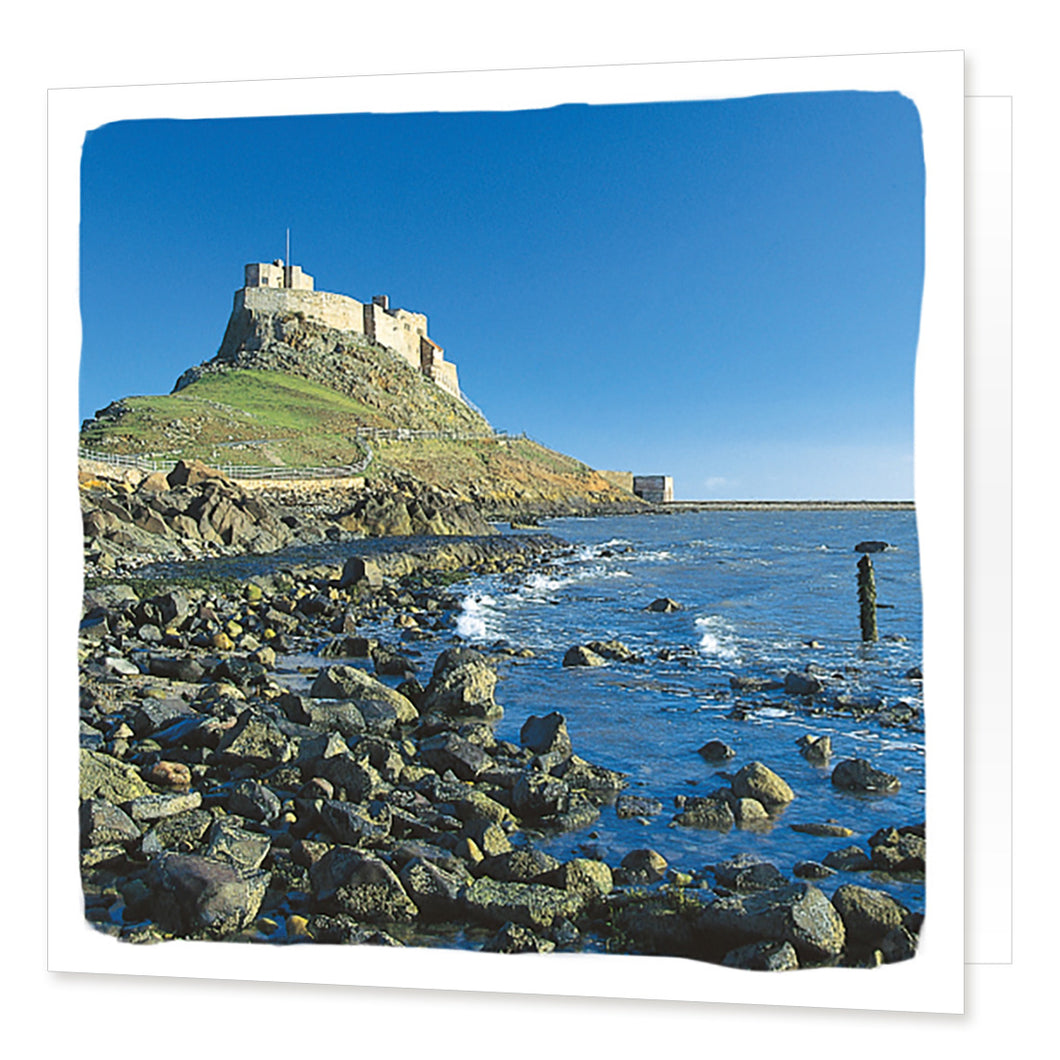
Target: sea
x,y
761,594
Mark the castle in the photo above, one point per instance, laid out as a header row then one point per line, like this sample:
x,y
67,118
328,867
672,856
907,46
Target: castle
x,y
279,287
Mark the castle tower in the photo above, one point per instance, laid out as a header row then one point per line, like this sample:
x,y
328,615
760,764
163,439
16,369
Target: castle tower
x,y
279,275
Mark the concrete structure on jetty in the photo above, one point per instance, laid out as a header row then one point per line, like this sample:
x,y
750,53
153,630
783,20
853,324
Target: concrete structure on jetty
x,y
280,287
658,489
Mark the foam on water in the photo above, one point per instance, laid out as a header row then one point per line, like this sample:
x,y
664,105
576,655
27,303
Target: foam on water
x,y
479,618
715,638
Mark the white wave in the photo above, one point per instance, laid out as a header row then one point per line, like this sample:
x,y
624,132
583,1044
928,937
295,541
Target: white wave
x,y
478,618
715,638
543,584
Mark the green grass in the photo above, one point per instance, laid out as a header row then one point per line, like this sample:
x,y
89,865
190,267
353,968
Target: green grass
x,y
289,421
270,418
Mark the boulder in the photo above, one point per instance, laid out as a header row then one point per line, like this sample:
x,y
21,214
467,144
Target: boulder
x,y
579,655
434,890
637,806
748,872
181,834
515,938
392,663
596,782
487,839
256,740
584,876
763,957
614,650
533,905
228,842
849,859
857,774
716,751
153,807
798,913
644,866
357,777
174,776
750,814
191,894
363,690
826,828
335,716
817,750
796,684
868,915
710,811
150,715
251,799
520,865
547,736
350,647
103,777
184,669
348,881
663,605
103,824
538,795
899,944
353,824
757,781
359,571
448,751
192,473
898,851
478,806
462,685
812,870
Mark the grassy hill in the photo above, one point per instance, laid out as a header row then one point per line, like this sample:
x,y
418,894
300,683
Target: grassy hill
x,y
254,417
288,392
238,417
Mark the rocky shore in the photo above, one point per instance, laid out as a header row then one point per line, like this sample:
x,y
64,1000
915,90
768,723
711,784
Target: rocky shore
x,y
131,518
369,800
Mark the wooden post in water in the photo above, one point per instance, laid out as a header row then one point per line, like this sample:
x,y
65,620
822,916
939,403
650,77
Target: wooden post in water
x,y
867,599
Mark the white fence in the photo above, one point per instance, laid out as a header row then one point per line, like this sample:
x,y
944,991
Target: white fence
x,y
233,471
156,462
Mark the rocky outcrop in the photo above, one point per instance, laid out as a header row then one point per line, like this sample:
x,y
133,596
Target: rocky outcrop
x,y
192,512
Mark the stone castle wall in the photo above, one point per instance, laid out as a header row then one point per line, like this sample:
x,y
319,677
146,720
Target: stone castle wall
x,y
444,374
332,310
399,330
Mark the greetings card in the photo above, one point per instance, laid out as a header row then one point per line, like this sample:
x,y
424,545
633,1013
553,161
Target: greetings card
x,y
513,534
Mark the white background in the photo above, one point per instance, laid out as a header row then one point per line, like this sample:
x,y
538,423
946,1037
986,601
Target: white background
x,y
118,44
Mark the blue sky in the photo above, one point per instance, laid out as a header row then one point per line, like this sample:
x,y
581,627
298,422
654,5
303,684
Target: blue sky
x,y
728,291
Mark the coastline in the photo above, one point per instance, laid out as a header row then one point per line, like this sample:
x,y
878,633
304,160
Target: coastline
x,y
353,812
